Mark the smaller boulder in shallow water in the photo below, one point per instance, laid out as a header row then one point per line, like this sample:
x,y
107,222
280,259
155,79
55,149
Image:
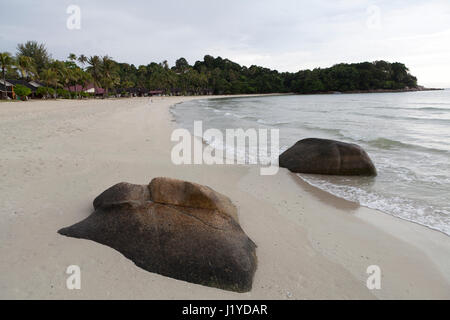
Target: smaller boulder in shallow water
x,y
330,157
175,228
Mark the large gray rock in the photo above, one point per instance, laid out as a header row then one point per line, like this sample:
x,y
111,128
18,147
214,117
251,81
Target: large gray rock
x,y
175,228
322,156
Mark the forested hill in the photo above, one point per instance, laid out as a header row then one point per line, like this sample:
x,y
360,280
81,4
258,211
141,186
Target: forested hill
x,y
352,77
211,75
223,76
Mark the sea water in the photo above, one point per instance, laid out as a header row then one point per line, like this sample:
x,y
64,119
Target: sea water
x,y
407,136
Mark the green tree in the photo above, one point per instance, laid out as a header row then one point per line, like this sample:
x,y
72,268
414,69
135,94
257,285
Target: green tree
x,y
26,67
212,74
36,51
82,59
109,76
51,79
45,91
6,61
22,91
95,69
72,57
181,65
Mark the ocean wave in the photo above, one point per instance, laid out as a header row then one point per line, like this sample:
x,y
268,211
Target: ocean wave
x,y
431,103
404,208
408,118
386,143
241,156
334,131
231,114
431,109
411,109
272,123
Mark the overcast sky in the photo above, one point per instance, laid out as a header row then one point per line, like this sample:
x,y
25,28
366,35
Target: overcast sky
x,y
286,35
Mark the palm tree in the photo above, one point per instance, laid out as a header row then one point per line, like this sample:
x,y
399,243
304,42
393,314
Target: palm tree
x,y
72,57
77,76
50,76
66,76
62,71
74,78
82,59
95,69
109,75
26,66
5,62
85,79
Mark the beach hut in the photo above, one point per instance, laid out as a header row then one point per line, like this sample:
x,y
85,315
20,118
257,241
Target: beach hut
x,y
35,85
6,90
155,93
90,88
77,88
32,85
96,91
134,92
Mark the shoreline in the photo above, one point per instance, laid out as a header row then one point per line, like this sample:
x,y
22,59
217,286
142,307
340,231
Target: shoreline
x,y
239,95
376,91
59,155
365,206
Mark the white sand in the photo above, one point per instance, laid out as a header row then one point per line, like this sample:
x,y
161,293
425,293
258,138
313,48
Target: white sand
x,y
56,156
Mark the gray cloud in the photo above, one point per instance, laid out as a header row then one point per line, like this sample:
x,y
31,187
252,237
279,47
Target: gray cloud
x,y
287,35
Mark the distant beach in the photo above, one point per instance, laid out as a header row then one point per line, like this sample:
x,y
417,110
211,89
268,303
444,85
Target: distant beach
x,y
415,89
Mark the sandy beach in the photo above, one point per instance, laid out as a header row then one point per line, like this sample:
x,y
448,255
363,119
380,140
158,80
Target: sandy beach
x,y
57,156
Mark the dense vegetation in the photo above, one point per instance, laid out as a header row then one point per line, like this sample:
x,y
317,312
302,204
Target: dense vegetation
x,y
354,77
22,91
212,75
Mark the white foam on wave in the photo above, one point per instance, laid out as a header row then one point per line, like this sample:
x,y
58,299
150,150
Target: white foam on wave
x,y
248,155
407,209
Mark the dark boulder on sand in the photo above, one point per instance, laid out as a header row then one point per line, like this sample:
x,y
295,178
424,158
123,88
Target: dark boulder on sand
x,y
322,156
174,228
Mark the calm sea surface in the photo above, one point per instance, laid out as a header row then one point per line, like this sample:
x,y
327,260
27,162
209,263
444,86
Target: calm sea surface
x,y
407,135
